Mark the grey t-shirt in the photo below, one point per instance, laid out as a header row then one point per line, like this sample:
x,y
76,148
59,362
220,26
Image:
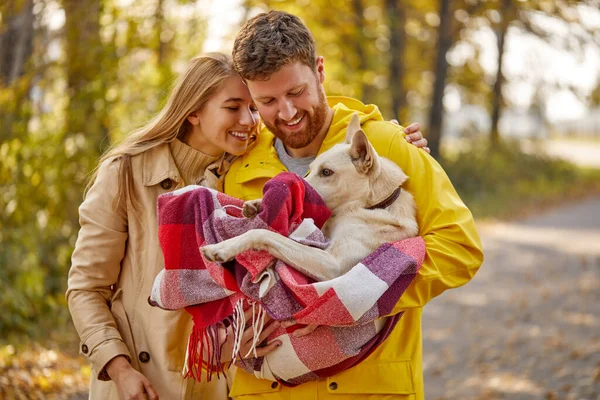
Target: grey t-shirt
x,y
299,166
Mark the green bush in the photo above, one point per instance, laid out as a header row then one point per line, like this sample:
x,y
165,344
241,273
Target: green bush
x,y
506,181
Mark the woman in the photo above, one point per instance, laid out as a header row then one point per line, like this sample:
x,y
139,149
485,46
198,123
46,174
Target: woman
x,y
208,117
117,254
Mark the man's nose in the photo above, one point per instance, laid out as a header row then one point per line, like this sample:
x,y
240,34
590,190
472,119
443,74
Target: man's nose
x,y
287,110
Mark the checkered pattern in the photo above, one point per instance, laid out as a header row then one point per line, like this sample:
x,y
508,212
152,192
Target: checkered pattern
x,y
348,309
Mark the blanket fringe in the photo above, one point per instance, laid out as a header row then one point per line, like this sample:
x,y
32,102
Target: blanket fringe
x,y
201,341
258,323
238,319
204,351
239,325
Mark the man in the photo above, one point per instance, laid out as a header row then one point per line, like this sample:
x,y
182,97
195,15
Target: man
x,y
275,55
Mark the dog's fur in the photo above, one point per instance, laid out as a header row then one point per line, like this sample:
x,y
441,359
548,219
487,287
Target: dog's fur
x,y
360,179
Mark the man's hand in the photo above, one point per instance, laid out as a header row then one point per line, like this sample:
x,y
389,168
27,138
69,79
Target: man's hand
x,y
414,135
226,339
131,384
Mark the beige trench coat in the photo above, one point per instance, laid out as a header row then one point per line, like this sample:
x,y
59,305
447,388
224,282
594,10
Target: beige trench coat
x,y
116,258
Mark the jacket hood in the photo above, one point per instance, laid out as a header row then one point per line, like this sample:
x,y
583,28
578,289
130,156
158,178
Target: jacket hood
x,y
343,108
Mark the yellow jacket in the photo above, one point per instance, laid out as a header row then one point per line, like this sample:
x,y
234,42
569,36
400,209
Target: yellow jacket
x,y
453,257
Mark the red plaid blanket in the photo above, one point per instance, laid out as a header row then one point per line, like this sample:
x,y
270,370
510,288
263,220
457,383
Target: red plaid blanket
x,y
349,309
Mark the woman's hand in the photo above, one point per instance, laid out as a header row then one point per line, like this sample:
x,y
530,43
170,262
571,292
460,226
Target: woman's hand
x,y
414,135
131,384
226,339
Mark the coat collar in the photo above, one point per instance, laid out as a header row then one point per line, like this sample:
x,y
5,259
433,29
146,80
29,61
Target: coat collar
x,y
158,165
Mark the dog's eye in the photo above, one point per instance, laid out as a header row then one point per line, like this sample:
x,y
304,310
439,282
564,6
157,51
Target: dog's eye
x,y
326,172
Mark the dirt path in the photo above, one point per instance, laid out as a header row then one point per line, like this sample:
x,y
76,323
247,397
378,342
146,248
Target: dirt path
x,y
528,325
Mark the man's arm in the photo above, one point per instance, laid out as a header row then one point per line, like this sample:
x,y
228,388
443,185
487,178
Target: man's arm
x,y
445,223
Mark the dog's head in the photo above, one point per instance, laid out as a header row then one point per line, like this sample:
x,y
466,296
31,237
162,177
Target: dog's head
x,y
352,173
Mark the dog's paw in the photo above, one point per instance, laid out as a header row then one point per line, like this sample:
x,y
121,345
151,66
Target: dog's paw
x,y
251,208
215,253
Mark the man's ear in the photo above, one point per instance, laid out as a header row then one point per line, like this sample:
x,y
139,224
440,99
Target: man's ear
x,y
363,154
321,69
193,118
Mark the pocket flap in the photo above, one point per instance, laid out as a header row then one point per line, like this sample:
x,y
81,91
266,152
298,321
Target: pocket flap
x,y
246,384
391,377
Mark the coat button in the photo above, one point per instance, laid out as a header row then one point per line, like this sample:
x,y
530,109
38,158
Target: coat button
x,y
274,385
144,357
333,386
166,184
84,349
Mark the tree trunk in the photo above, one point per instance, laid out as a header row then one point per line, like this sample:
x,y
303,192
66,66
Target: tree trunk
x,y
397,20
16,42
368,91
84,67
159,22
497,99
436,116
162,46
16,48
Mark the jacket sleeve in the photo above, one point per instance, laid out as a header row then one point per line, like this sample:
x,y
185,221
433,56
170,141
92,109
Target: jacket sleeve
x,y
95,267
452,243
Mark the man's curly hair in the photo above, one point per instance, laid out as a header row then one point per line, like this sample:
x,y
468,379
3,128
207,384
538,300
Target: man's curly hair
x,y
270,41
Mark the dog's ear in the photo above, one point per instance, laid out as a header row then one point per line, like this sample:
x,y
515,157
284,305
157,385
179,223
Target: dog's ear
x,y
363,154
353,127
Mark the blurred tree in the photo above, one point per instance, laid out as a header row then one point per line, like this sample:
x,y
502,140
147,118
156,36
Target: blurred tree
x,y
163,35
85,58
508,14
444,42
367,89
595,94
86,124
396,16
16,39
16,47
525,16
159,28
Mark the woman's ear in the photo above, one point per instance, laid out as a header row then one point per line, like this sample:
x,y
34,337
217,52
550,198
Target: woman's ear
x,y
193,118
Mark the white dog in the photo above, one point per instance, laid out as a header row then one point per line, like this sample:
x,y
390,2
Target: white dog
x,y
369,208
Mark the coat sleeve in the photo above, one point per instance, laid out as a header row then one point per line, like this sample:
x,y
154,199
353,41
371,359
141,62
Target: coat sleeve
x,y
95,267
452,243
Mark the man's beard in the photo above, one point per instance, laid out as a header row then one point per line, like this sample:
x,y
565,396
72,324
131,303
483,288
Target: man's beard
x,y
311,129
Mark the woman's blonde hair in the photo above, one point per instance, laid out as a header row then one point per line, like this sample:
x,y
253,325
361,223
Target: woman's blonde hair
x,y
201,79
